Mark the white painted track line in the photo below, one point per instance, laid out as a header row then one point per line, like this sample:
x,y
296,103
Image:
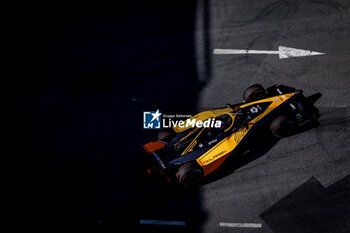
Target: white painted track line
x,y
242,225
283,52
161,222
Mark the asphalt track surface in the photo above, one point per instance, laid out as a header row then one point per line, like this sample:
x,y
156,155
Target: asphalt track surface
x,y
74,120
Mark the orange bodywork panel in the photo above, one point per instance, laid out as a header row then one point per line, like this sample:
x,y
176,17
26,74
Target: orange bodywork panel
x,y
153,146
209,168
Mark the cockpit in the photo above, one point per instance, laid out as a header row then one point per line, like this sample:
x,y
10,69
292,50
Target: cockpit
x,y
199,137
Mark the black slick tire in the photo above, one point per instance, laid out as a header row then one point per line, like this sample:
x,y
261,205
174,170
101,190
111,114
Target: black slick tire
x,y
254,92
281,127
189,174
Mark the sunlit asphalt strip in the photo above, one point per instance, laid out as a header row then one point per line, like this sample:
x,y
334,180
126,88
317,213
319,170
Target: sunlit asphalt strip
x,y
242,225
158,222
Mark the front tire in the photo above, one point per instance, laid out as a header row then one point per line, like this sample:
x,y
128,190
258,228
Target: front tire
x,y
189,174
282,127
254,92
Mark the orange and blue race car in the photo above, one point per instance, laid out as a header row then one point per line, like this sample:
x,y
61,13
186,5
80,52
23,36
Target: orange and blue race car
x,y
186,153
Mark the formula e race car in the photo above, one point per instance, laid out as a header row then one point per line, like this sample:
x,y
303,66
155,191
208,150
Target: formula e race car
x,y
186,153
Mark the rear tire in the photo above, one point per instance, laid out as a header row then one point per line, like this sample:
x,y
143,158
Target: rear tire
x,y
282,127
189,174
254,92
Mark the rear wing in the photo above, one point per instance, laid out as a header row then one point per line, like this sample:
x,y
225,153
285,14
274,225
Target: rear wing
x,y
152,147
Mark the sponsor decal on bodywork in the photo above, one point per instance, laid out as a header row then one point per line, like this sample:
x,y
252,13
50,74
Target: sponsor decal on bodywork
x,y
214,157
